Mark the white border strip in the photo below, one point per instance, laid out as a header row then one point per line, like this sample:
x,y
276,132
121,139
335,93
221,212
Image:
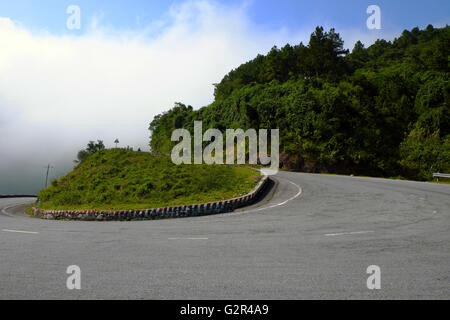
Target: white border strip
x,y
20,231
347,233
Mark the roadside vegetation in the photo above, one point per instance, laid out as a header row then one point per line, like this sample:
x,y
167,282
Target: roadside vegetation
x,y
378,111
125,179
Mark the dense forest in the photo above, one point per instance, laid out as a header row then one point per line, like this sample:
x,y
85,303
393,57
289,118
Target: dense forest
x,y
379,111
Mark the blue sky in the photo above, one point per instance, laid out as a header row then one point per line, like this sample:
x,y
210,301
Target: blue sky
x,y
265,14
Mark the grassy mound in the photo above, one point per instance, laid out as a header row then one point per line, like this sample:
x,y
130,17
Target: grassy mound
x,y
121,179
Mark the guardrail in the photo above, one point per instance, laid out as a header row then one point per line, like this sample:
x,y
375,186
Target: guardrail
x,y
18,196
157,213
440,175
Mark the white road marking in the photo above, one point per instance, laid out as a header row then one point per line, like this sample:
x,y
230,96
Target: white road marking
x,y
347,233
11,206
187,238
274,205
20,231
5,208
292,198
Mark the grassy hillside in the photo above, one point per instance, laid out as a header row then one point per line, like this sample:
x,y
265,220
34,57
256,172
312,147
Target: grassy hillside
x,y
377,111
122,179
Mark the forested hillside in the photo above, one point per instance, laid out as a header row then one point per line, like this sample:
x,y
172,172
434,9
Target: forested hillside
x,y
380,111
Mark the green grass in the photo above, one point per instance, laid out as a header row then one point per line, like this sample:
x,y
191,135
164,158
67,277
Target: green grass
x,y
119,179
442,181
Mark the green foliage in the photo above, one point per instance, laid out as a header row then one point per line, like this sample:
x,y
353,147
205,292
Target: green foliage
x,y
422,153
324,56
82,155
92,148
123,179
360,112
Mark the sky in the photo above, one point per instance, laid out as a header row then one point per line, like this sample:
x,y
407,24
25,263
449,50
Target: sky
x,y
131,60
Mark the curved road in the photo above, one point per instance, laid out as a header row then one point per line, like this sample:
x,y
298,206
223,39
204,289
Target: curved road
x,y
314,239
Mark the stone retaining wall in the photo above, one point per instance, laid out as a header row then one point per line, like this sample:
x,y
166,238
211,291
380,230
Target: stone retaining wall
x,y
157,213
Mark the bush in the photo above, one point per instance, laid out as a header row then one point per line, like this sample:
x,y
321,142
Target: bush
x,y
422,154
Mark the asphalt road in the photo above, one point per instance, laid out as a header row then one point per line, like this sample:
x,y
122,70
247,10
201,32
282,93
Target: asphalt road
x,y
314,239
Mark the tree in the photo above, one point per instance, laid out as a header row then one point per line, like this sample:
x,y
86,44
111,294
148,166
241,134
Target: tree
x,y
81,156
92,148
359,56
116,142
326,51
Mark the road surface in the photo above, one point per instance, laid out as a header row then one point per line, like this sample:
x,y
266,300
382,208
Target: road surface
x,y
314,239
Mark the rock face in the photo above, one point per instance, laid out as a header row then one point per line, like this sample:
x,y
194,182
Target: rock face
x,y
297,163
291,162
